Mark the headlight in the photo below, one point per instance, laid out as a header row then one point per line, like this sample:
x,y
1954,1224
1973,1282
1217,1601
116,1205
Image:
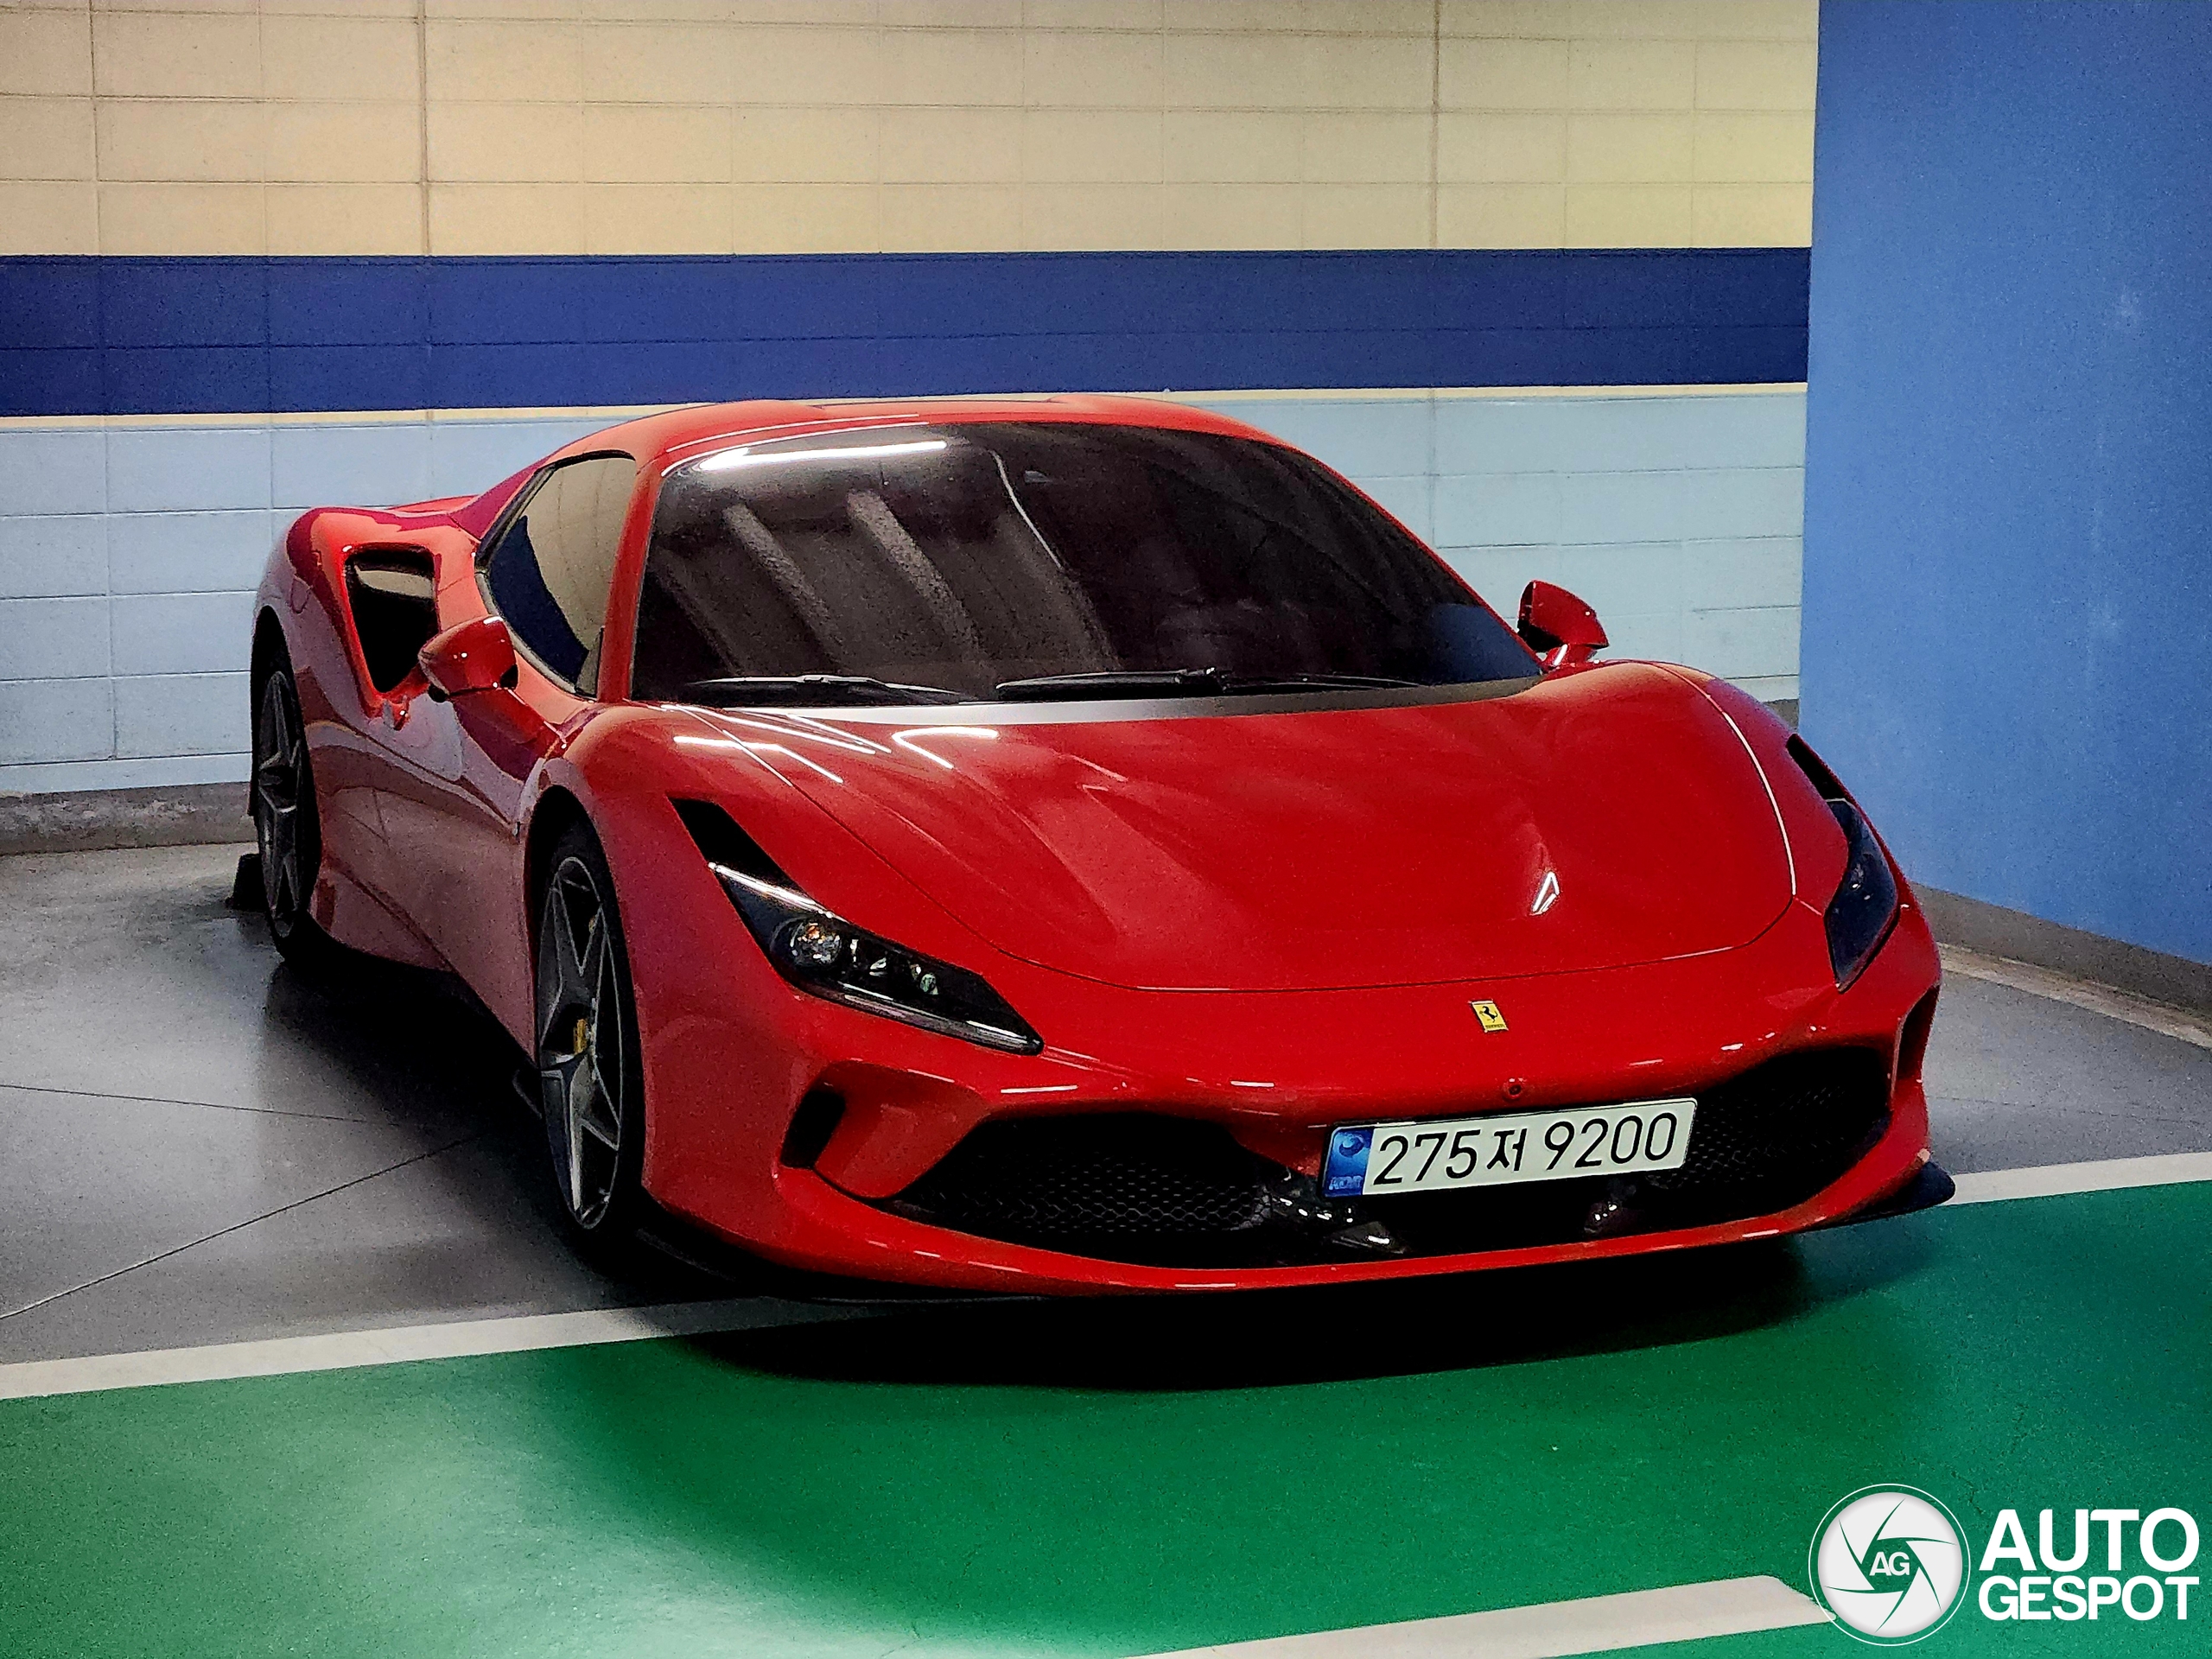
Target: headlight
x,y
1859,915
829,956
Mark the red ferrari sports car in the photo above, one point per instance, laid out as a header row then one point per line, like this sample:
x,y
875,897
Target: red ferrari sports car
x,y
1079,844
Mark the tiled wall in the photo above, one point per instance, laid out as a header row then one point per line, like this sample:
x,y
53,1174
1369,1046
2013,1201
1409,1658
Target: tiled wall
x,y
665,126
127,564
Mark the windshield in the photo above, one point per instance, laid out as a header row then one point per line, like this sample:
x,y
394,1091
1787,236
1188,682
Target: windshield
x,y
912,563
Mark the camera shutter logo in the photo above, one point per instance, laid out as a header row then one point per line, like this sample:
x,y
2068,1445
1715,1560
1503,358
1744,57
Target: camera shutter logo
x,y
1889,1563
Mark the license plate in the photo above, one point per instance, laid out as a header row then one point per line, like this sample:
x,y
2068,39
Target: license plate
x,y
1502,1148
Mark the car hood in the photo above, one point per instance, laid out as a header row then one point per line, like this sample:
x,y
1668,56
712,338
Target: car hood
x,y
1595,820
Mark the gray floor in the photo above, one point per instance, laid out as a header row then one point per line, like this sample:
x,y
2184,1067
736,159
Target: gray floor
x,y
202,1146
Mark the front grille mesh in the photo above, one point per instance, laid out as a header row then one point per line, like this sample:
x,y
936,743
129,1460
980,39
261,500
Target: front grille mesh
x,y
1145,1187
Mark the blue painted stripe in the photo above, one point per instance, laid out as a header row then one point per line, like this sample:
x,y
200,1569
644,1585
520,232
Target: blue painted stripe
x,y
154,336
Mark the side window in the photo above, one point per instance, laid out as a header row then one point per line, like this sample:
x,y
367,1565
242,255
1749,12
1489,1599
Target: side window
x,y
549,572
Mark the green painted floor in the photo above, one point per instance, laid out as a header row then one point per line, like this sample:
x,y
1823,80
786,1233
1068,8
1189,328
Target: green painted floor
x,y
1127,1477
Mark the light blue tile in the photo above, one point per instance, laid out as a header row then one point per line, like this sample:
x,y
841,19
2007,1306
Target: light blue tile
x,y
1406,498
43,472
1720,575
1614,507
1743,644
1737,503
381,465
1654,635
1624,581
1497,510
163,772
52,638
1499,574
163,469
50,558
182,633
1661,433
1369,437
468,457
184,713
1511,434
188,552
55,719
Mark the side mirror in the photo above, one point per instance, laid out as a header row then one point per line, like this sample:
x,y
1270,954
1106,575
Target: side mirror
x,y
472,656
1558,626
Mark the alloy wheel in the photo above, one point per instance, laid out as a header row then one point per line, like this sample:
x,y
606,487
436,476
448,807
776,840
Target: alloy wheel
x,y
580,1042
279,783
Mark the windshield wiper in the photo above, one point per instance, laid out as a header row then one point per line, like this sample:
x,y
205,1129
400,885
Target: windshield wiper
x,y
750,690
1182,681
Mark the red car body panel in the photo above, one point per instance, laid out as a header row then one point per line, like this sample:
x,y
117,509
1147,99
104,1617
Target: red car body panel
x,y
1272,920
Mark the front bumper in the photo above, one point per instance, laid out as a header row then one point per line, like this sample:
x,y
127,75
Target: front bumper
x,y
1276,1071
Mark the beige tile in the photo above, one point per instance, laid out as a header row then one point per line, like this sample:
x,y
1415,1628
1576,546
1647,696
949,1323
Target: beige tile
x,y
1697,19
1501,216
805,218
405,9
46,138
1369,73
1755,149
1253,72
809,66
1234,147
518,143
1501,74
1501,149
752,12
1093,14
182,138
1631,75
45,52
318,58
1089,216
1755,75
657,218
1629,216
196,54
1628,149
950,146
1062,71
826,146
1365,148
181,218
338,143
660,63
1098,146
345,219
1231,215
48,219
1754,216
636,143
1363,216
1534,20
951,66
491,60
1416,17
949,218
507,219
952,14
1233,14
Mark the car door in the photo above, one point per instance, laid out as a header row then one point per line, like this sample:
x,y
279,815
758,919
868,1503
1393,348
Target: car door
x,y
452,813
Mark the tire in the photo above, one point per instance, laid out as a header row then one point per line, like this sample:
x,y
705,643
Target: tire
x,y
590,1080
286,824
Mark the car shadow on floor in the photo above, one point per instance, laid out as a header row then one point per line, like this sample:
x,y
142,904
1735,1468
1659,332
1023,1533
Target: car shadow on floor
x,y
1337,1333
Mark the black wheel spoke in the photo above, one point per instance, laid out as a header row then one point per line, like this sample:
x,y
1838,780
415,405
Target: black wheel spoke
x,y
580,1042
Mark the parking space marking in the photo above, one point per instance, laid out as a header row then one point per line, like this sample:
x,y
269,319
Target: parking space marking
x,y
2099,1175
344,1350
2113,1003
1552,1630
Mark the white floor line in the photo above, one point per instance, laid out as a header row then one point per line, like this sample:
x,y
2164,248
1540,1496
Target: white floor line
x,y
1641,1618
2102,1175
2106,1000
344,1350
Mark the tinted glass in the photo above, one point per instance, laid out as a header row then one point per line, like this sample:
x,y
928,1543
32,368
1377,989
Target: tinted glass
x,y
549,571
963,557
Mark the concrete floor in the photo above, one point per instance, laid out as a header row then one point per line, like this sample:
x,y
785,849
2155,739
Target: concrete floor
x,y
203,1146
